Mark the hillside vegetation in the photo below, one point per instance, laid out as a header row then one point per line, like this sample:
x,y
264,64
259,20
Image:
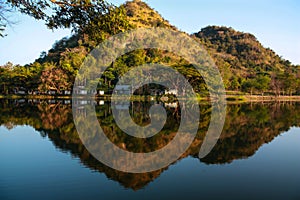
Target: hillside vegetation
x,y
245,65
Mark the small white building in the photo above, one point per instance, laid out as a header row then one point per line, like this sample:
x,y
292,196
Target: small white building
x,y
172,91
67,92
20,91
66,102
101,92
51,92
83,91
171,105
51,101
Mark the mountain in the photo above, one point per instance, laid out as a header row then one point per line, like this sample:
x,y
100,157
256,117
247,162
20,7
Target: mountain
x,y
241,54
245,65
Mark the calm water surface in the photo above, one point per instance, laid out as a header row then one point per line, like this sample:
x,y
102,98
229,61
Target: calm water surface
x,y
256,157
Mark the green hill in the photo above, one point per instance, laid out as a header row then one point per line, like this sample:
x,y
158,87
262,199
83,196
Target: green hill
x,y
244,63
241,54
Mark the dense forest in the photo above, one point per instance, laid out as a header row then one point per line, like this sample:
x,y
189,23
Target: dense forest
x,y
245,65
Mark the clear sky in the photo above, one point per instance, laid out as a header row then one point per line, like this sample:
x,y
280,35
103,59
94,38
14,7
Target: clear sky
x,y
276,24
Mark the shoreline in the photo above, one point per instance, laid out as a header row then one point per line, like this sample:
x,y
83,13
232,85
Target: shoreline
x,y
260,98
229,98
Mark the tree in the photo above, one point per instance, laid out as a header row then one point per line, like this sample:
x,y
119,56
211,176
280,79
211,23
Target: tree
x,y
263,83
235,85
290,83
54,78
4,80
6,75
249,85
113,22
276,83
63,13
14,77
82,16
4,21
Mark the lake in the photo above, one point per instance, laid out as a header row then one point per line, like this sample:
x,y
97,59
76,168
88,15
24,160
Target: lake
x,y
256,156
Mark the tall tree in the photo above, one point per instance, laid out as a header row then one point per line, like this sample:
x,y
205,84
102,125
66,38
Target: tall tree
x,y
62,13
55,79
84,16
263,83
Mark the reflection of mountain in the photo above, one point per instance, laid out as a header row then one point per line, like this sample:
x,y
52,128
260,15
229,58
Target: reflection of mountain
x,y
247,128
134,181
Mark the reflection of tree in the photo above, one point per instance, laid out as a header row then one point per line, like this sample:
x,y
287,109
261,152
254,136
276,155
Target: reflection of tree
x,y
74,145
53,115
247,128
9,125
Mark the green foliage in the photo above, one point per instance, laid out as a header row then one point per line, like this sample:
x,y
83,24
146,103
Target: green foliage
x,y
260,84
15,78
240,56
64,13
115,21
142,16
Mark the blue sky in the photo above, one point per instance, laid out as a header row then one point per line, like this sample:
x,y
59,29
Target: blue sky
x,y
276,24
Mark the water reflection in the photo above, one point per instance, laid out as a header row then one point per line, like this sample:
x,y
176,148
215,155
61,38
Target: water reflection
x,y
247,128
